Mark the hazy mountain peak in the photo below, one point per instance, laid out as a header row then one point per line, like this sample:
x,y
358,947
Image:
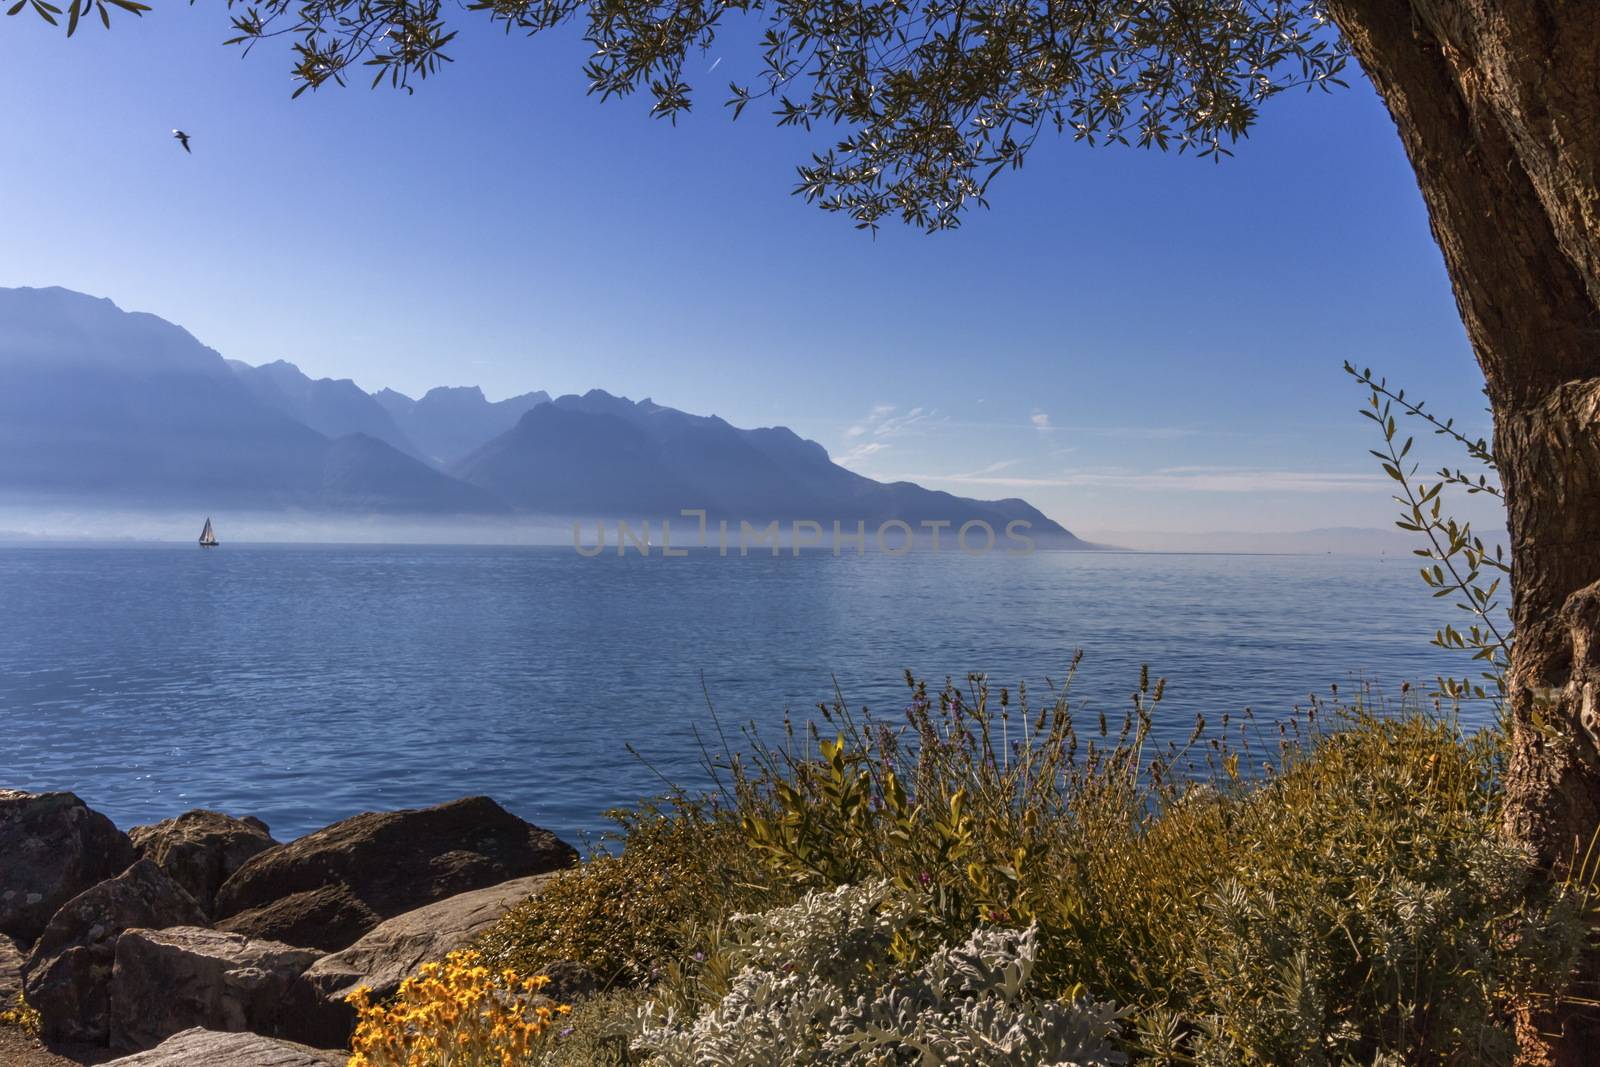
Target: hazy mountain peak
x,y
98,403
68,327
596,400
600,455
333,407
450,421
456,393
395,403
48,295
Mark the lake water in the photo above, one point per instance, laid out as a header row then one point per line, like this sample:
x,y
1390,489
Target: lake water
x,y
304,684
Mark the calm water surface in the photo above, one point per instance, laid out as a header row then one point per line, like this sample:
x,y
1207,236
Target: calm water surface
x,y
304,684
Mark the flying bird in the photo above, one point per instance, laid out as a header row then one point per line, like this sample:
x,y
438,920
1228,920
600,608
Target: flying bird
x,y
183,139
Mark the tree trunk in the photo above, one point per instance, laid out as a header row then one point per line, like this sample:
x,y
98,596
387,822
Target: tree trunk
x,y
1498,105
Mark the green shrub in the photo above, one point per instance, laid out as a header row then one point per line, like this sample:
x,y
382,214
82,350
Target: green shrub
x,y
1360,902
681,867
1346,899
599,1032
1351,898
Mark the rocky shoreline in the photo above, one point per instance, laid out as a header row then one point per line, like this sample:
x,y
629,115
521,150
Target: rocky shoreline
x,y
202,940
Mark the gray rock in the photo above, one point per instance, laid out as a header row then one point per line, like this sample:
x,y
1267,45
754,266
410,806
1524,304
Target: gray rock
x,y
68,975
201,849
167,981
206,1048
54,847
328,888
390,953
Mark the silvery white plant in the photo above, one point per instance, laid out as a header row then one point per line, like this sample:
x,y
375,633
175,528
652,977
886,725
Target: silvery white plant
x,y
815,986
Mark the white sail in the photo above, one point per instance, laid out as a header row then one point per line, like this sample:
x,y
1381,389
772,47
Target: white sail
x,y
207,536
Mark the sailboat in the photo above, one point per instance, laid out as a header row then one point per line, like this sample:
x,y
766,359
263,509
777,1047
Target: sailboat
x,y
208,537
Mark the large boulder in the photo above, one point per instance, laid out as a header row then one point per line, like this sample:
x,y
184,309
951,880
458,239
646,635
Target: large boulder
x,y
168,981
392,952
207,1048
201,849
328,888
52,847
68,976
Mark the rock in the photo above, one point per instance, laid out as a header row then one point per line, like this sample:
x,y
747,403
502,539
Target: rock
x,y
200,849
167,981
388,863
327,915
11,961
52,847
392,952
68,975
207,1048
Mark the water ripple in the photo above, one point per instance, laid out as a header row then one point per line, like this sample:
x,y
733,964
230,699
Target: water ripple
x,y
304,684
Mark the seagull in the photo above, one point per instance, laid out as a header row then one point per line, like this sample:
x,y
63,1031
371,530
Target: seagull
x,y
183,139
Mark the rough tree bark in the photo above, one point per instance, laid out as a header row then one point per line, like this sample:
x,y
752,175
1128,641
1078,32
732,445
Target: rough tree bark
x,y
1498,105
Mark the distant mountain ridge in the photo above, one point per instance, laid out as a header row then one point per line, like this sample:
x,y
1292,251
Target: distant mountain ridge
x,y
119,406
605,455
450,421
332,407
108,406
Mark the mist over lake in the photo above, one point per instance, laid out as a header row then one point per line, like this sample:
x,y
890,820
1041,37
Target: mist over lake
x,y
303,684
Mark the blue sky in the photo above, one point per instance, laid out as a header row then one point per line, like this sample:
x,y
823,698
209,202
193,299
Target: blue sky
x,y
1142,345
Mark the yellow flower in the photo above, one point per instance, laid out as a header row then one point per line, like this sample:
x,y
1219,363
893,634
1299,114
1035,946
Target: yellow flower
x,y
452,1013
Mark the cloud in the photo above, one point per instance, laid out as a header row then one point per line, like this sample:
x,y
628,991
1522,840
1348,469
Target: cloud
x,y
993,468
1182,480
882,422
1149,433
860,452
890,425
1041,421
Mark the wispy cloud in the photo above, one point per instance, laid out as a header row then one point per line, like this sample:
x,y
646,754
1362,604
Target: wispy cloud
x,y
1043,421
1179,479
894,425
882,423
860,452
1148,433
995,468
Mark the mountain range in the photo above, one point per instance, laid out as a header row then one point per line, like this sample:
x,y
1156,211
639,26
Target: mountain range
x,y
99,404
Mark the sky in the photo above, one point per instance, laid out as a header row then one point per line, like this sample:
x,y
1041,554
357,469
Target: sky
x,y
1145,346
